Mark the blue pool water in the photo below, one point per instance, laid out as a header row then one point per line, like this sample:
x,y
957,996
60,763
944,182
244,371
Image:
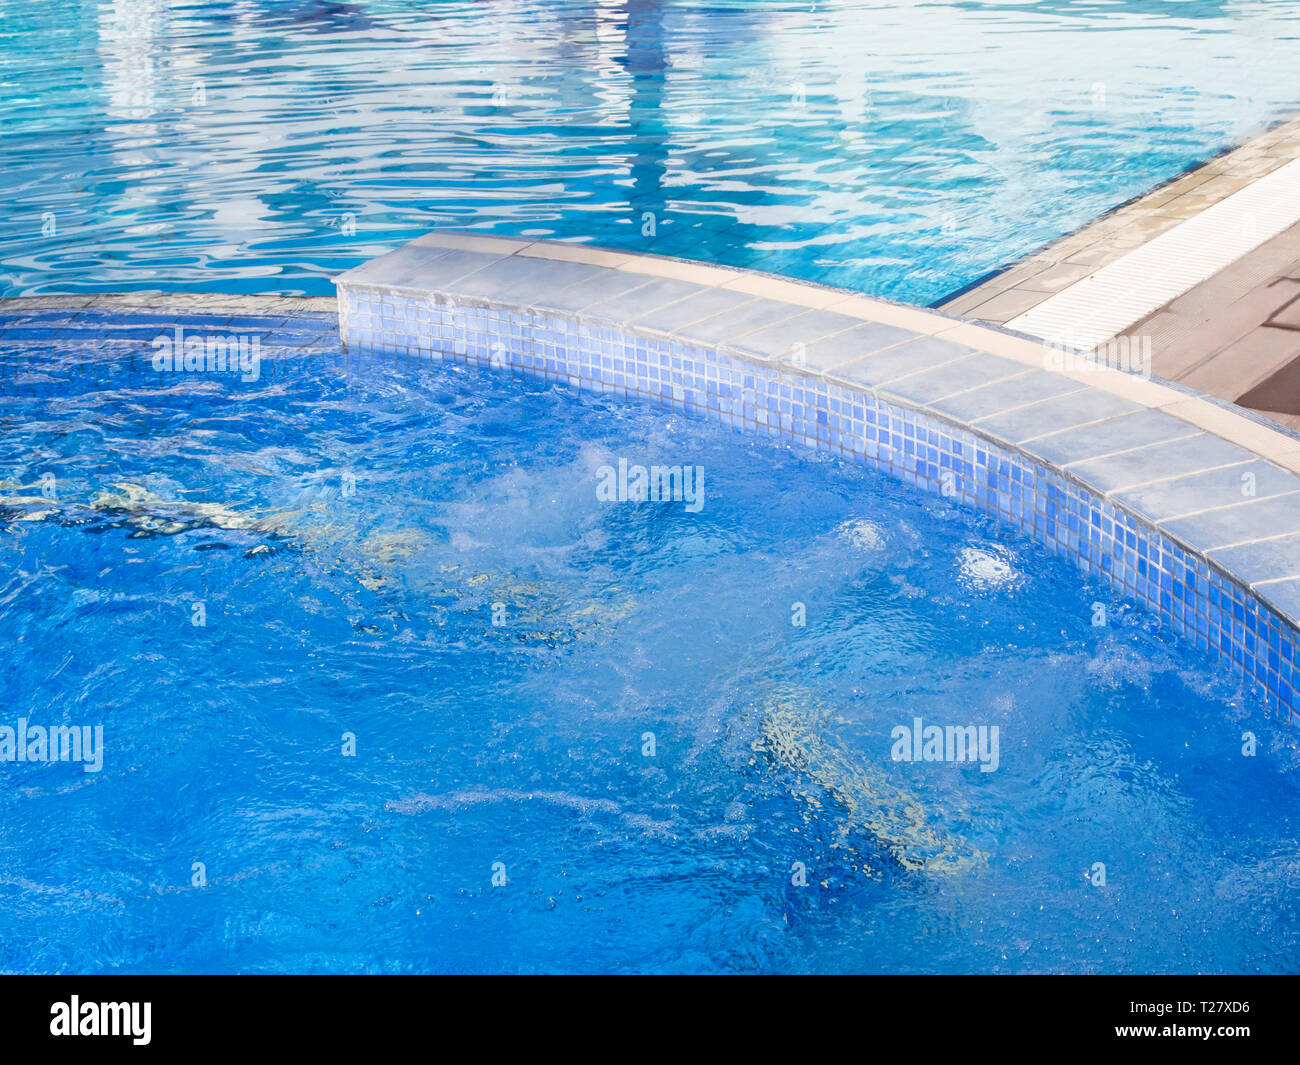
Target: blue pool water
x,y
900,149
643,747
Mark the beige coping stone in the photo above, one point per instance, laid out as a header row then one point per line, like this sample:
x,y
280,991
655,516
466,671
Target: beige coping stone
x,y
470,242
814,297
1127,386
1263,441
916,319
576,253
676,270
1019,349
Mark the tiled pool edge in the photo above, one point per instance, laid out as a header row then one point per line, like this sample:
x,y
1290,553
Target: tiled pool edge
x,y
1202,600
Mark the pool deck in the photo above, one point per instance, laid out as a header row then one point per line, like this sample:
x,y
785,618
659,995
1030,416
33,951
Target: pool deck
x,y
1237,335
1023,288
1203,271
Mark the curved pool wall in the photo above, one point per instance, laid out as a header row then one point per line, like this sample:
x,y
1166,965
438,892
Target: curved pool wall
x,y
1184,505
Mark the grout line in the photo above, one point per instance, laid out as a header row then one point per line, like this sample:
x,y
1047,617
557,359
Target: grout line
x,y
1131,450
1228,506
1180,476
983,384
1035,403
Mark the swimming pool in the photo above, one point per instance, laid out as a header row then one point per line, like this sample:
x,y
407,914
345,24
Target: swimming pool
x,y
901,150
396,673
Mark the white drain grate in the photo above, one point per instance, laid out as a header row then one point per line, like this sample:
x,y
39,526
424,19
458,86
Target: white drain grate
x,y
1107,302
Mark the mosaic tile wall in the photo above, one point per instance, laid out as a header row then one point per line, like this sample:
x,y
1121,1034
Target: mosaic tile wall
x,y
1199,602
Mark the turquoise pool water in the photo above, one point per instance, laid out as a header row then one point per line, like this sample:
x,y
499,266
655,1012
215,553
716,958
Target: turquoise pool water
x,y
903,150
585,734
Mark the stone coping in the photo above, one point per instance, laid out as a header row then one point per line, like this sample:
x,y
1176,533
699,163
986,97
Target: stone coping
x,y
770,317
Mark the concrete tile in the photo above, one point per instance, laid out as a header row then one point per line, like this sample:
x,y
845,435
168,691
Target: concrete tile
x,y
673,317
773,288
641,300
861,340
806,329
1004,306
414,266
1130,386
480,242
1231,424
1212,488
575,253
1284,596
676,270
1259,519
916,319
1103,252
728,325
605,285
1010,346
1158,461
1054,278
911,357
522,280
1266,560
1029,386
1121,433
954,377
1056,415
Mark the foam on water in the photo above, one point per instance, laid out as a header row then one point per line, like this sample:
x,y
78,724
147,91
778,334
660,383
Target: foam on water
x,y
651,718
